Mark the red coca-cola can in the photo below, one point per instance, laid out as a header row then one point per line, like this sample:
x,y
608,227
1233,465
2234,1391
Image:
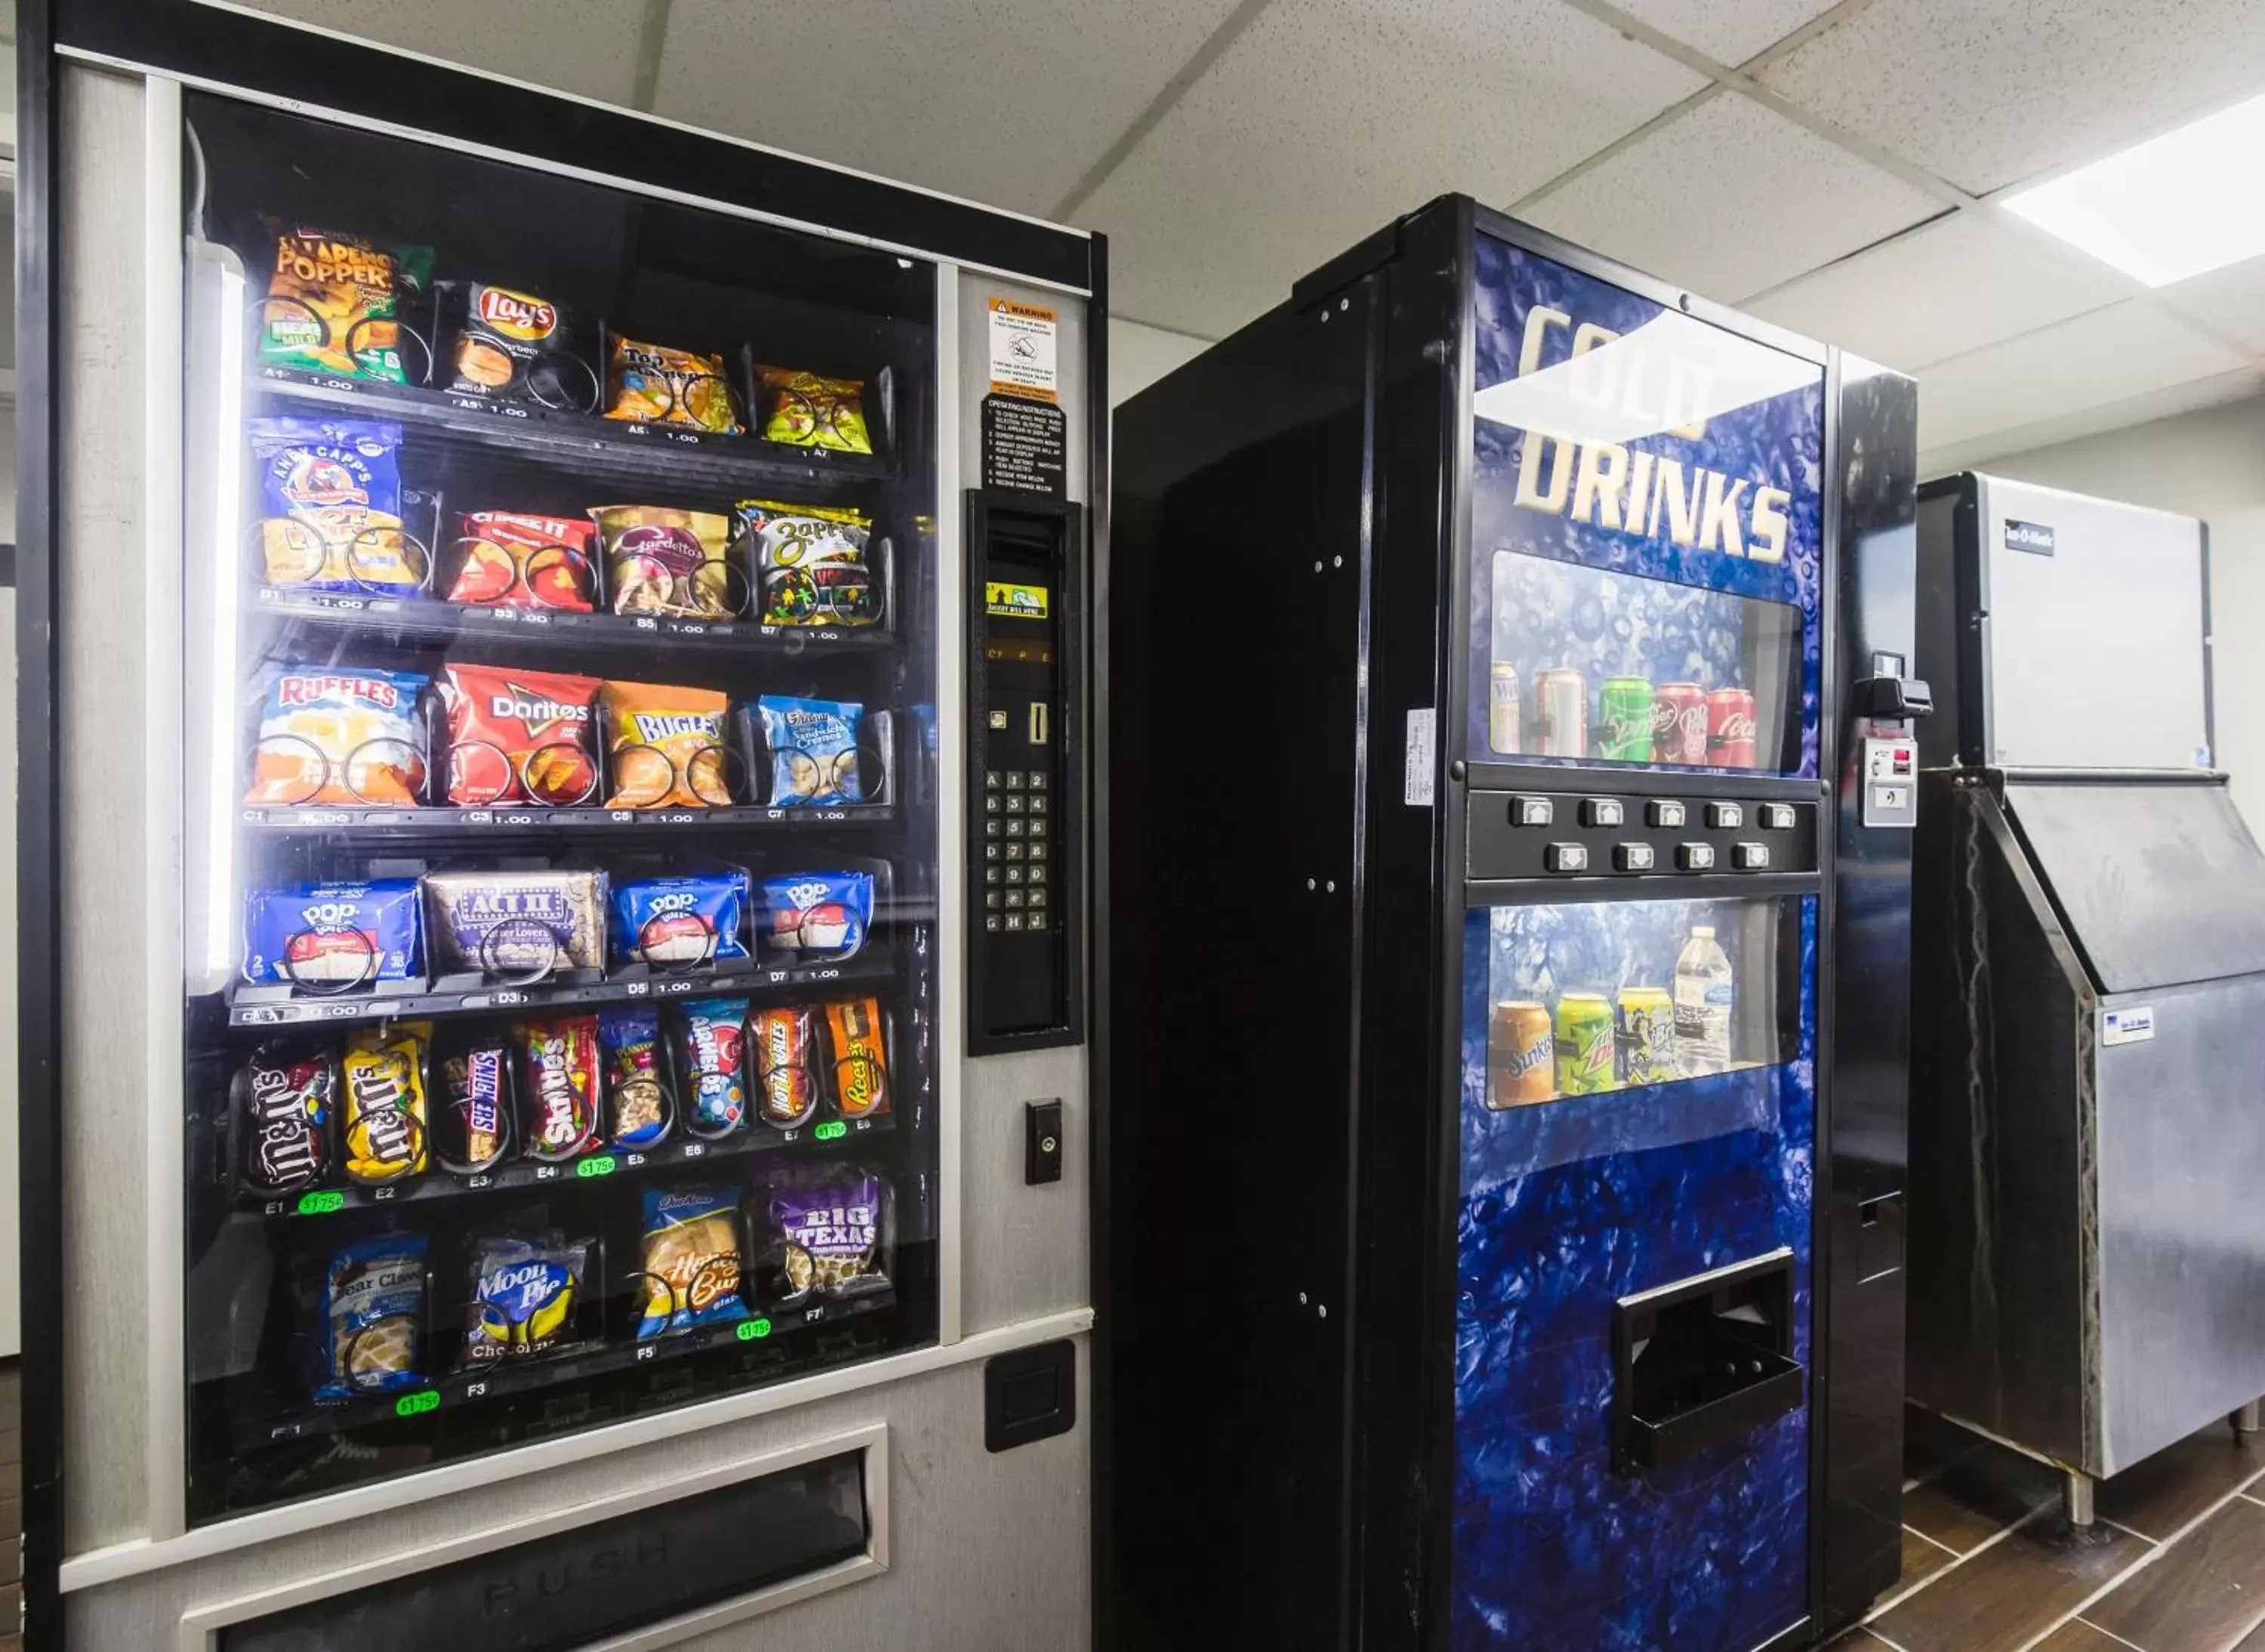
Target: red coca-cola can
x,y
1678,724
1730,729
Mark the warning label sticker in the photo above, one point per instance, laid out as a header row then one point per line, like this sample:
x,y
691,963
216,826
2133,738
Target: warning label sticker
x,y
1024,361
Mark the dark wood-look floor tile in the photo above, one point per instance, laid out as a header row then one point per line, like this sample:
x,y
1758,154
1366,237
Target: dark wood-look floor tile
x,y
1922,1560
2199,1595
2015,1589
1856,1640
2076,1635
1931,1445
1980,1496
2161,1494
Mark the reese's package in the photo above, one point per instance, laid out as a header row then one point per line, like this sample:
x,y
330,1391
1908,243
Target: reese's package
x,y
334,304
654,384
813,750
666,747
524,562
387,1120
519,735
661,560
855,1034
505,345
691,1261
810,410
339,736
373,1317
330,504
810,562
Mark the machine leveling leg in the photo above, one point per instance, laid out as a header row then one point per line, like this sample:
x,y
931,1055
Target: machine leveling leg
x,y
2076,1497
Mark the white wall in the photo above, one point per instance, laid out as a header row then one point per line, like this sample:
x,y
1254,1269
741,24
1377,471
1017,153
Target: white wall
x,y
2209,464
1139,354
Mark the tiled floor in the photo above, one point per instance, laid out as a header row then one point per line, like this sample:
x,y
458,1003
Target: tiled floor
x,y
2175,1563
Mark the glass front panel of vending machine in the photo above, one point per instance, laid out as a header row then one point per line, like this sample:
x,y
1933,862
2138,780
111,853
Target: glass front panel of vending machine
x,y
1645,530
560,836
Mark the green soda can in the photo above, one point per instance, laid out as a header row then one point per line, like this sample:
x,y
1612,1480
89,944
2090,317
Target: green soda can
x,y
1624,720
1584,1043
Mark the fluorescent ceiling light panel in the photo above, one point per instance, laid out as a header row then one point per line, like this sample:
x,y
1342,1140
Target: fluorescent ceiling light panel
x,y
2180,205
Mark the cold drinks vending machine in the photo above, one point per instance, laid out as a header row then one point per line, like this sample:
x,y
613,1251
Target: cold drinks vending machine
x,y
555,868
1501,646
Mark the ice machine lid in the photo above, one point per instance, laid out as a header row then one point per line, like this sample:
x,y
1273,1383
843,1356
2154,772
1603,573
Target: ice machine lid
x,y
2159,880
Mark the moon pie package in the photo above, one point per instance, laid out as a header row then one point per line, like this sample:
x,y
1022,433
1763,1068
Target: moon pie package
x,y
654,384
373,1317
809,564
475,1092
808,411
561,1087
813,750
524,562
680,922
386,1118
330,506
525,1289
517,925
691,1261
337,737
289,1108
509,345
830,1225
786,1065
637,1111
816,916
333,303
519,735
711,1061
858,1038
333,937
661,560
666,747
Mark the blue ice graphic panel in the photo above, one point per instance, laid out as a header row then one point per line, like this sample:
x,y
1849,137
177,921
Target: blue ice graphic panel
x,y
1567,1206
1651,605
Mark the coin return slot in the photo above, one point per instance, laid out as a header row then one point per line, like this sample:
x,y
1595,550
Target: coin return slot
x,y
1702,1361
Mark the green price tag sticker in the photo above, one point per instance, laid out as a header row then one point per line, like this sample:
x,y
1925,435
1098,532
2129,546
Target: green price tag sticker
x,y
832,1132
753,1330
602,1165
321,1203
411,1405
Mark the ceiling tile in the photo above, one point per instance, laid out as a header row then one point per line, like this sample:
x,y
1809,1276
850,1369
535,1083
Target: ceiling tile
x,y
1727,33
2126,350
587,47
1988,92
1730,197
1327,119
1009,102
2231,299
1940,290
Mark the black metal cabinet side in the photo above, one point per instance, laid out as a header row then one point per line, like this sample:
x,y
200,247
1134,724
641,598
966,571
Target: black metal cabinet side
x,y
1225,1307
1864,1095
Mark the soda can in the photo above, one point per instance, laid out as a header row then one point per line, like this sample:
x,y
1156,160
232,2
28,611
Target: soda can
x,y
1561,712
1730,729
1503,707
1624,720
1678,724
1584,1043
1644,1034
1521,1055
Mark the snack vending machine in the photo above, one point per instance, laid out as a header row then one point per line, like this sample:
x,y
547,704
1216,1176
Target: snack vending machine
x,y
554,870
1539,1283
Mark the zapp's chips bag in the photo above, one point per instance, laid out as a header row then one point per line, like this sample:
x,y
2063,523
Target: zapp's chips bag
x,y
330,502
810,562
653,384
668,747
334,303
339,737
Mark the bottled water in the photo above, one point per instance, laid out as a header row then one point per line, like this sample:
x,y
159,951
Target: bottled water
x,y
1703,995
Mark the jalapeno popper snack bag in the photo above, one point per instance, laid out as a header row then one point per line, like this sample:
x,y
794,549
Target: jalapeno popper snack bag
x,y
334,303
711,1061
676,922
653,384
637,1110
510,346
830,1226
517,925
561,1087
290,1109
666,747
661,560
387,1121
339,737
373,1317
810,562
476,1098
814,747
524,562
330,506
519,735
524,1293
691,1261
334,937
812,916
855,1032
812,411
786,1065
